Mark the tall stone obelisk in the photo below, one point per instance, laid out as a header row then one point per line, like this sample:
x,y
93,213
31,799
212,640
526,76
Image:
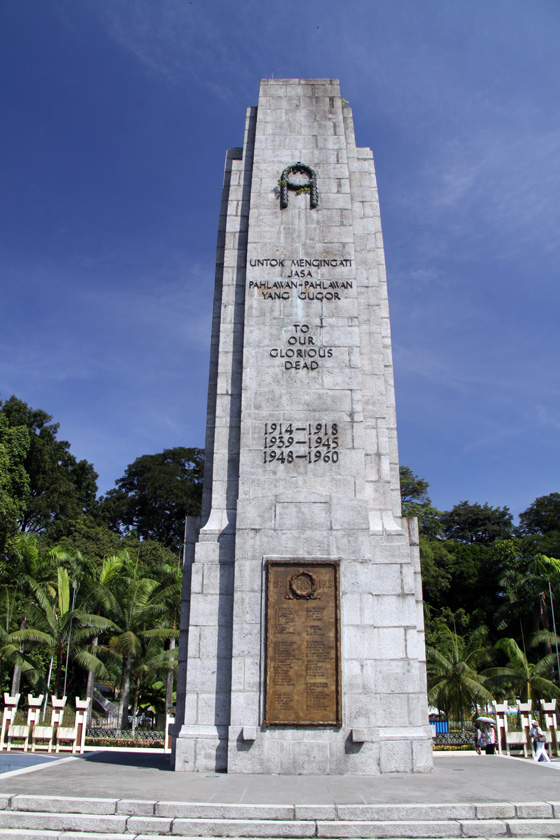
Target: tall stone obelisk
x,y
302,644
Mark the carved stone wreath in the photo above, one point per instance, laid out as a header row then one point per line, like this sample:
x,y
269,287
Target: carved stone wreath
x,y
310,186
302,585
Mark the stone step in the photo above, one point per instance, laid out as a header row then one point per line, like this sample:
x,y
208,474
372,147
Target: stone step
x,y
27,824
25,816
236,811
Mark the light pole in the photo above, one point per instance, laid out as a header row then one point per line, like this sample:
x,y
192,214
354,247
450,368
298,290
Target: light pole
x,y
554,627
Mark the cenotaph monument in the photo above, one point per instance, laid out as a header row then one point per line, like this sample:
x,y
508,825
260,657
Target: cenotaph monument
x,y
302,642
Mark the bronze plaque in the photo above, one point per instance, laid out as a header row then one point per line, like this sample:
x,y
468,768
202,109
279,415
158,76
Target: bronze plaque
x,y
303,644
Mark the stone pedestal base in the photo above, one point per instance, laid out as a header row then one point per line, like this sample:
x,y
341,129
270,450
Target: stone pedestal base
x,y
201,749
319,753
297,751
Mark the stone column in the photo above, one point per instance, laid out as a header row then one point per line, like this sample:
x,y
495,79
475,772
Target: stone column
x,y
302,466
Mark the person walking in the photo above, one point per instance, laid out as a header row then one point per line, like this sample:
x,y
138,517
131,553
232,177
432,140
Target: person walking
x,y
539,741
477,739
489,739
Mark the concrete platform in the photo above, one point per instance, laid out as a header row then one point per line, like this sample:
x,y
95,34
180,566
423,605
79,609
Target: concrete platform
x,y
456,778
134,796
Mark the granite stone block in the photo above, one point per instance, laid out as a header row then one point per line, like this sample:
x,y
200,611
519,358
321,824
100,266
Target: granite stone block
x,y
413,829
534,810
63,804
533,828
148,825
243,828
485,829
136,807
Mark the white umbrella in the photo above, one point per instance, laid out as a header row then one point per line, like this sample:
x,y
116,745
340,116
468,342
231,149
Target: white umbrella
x,y
486,720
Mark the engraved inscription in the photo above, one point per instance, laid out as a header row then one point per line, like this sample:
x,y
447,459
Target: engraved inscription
x,y
287,443
303,644
306,279
303,351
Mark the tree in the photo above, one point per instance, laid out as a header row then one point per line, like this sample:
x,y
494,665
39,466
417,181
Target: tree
x,y
416,502
526,679
437,571
54,623
454,682
414,490
27,567
172,581
14,480
542,516
11,649
155,494
525,591
473,523
139,615
540,525
61,488
99,595
152,660
460,576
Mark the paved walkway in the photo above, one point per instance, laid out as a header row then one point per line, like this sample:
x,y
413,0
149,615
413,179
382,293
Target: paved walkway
x,y
457,778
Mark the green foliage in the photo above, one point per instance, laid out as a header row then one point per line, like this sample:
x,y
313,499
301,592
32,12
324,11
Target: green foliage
x,y
442,624
54,534
542,517
416,502
454,681
140,621
56,624
478,577
58,488
414,490
151,556
474,523
91,538
528,680
155,494
14,480
437,570
524,592
540,525
457,575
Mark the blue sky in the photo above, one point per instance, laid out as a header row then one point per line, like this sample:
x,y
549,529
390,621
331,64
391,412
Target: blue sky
x,y
116,118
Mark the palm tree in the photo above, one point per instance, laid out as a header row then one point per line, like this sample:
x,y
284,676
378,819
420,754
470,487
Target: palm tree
x,y
526,679
29,567
64,631
99,595
525,588
170,593
152,660
138,613
11,649
453,679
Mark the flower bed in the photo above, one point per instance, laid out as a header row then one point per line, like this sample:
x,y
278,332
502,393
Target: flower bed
x,y
102,737
124,742
452,747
